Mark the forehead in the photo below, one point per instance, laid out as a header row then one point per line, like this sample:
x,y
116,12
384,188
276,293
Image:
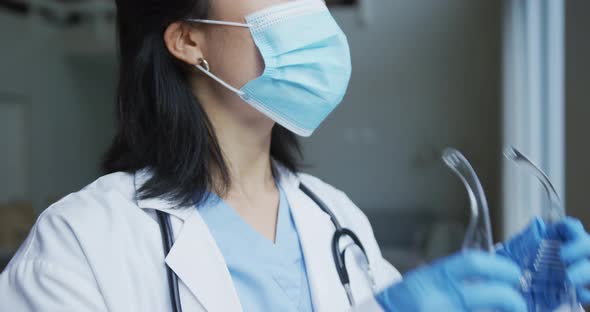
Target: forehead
x,y
235,10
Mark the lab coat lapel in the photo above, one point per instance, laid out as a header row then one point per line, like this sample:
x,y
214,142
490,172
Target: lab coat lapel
x,y
194,256
199,264
315,233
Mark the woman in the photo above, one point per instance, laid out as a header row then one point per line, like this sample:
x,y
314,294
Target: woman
x,y
211,94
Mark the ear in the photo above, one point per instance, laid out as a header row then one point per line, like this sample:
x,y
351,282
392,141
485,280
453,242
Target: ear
x,y
183,42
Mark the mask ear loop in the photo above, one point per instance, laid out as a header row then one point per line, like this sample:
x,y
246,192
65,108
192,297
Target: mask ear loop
x,y
203,65
213,22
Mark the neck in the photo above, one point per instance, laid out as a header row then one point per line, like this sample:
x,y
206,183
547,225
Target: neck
x,y
244,136
247,154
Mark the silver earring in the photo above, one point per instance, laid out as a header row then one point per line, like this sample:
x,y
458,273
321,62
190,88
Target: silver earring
x,y
203,62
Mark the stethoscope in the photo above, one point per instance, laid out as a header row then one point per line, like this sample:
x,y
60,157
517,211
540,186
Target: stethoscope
x,y
338,253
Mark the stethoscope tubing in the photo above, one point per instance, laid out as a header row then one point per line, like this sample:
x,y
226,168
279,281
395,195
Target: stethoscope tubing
x,y
168,241
337,254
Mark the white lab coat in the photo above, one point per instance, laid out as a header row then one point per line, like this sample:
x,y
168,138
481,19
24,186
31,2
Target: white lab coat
x,y
100,249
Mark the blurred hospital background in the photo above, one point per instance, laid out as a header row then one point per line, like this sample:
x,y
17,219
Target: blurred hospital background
x,y
474,75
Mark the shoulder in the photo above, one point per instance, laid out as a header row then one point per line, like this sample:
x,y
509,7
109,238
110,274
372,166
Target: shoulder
x,y
90,211
66,247
115,189
112,191
106,197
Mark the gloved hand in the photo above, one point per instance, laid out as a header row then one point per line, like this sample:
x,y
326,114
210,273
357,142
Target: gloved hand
x,y
574,253
544,287
522,247
466,281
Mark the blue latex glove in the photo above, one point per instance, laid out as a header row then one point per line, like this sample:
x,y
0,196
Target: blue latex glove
x,y
574,253
545,288
466,281
522,248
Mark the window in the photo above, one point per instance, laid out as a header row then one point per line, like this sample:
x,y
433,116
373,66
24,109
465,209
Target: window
x,y
534,103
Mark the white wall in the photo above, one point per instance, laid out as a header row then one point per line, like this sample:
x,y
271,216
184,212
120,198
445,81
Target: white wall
x,y
578,108
14,148
70,100
426,75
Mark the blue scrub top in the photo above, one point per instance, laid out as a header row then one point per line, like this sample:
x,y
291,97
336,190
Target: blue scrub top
x,y
267,276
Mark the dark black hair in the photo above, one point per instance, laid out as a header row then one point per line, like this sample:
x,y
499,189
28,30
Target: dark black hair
x,y
160,124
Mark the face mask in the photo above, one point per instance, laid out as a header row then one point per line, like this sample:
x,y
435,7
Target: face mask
x,y
307,64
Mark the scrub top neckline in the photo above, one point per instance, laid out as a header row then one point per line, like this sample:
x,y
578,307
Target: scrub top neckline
x,y
265,274
244,228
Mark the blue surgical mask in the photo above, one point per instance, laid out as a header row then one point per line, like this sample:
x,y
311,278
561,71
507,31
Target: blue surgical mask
x,y
307,64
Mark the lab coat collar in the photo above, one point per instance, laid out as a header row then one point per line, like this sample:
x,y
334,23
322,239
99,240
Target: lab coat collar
x,y
194,256
206,274
199,264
